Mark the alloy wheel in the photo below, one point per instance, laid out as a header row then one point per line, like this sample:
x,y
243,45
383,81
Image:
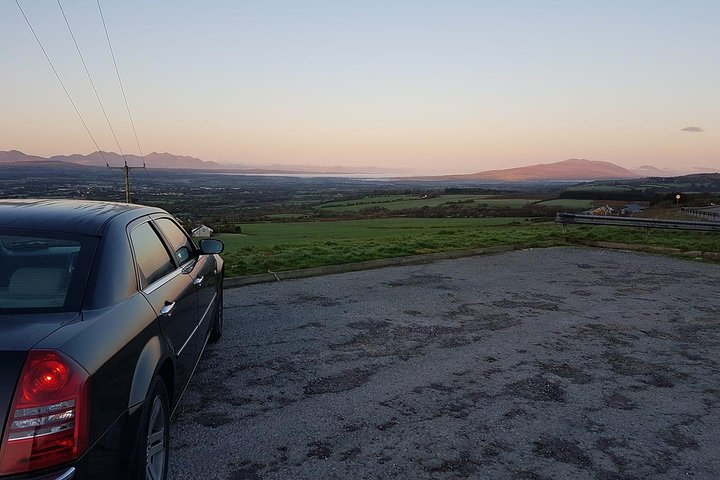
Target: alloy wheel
x,y
156,447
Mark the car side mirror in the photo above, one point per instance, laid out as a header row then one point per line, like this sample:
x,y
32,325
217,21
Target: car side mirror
x,y
209,246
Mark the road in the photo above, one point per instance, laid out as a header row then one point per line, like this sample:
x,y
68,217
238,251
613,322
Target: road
x,y
562,363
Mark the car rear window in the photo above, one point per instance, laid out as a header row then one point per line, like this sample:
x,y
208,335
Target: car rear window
x,y
43,271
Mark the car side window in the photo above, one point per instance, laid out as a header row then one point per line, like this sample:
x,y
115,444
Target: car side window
x,y
182,245
153,259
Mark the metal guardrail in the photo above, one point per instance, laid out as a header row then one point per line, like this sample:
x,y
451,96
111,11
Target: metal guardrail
x,y
572,218
711,213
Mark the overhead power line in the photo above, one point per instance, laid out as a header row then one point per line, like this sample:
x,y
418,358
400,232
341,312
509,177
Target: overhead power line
x,y
122,89
97,95
57,75
125,169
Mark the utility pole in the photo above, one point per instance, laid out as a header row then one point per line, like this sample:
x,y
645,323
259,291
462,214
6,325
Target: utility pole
x,y
126,173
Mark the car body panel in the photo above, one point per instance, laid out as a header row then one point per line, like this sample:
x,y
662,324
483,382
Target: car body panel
x,y
145,369
22,332
112,274
178,326
125,329
71,216
207,273
66,473
11,364
206,269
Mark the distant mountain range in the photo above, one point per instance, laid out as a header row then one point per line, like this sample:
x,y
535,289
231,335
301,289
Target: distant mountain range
x,y
170,161
569,170
96,159
573,169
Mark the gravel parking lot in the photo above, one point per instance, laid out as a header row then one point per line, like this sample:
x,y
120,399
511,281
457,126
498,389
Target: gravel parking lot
x,y
563,363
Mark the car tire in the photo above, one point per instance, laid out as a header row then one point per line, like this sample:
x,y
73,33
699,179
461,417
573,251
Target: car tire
x,y
153,443
219,318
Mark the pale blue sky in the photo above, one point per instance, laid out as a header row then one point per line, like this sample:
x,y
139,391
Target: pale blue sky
x,y
437,86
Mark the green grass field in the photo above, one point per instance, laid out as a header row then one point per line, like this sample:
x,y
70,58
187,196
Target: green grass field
x,y
286,246
274,234
567,203
600,188
284,216
506,202
370,201
405,202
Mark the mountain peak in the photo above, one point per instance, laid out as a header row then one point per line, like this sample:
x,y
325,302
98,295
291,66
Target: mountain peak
x,y
571,169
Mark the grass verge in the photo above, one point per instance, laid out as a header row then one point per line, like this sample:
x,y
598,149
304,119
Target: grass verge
x,y
289,246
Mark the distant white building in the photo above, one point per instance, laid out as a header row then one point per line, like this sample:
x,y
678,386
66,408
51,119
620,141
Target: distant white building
x,y
203,231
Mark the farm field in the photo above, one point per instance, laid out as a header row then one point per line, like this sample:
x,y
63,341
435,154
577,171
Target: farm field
x,y
407,202
264,247
600,188
567,203
283,216
287,233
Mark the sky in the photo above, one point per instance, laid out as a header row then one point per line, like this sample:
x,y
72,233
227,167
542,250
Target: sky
x,y
421,86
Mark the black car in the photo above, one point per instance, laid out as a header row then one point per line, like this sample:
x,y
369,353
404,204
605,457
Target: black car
x,y
105,309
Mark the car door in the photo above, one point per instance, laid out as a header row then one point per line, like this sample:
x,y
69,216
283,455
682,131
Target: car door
x,y
202,268
171,293
207,292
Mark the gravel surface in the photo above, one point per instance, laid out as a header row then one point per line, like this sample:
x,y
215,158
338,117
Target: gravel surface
x,y
562,363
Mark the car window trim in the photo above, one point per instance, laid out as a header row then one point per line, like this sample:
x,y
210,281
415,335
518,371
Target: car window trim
x,y
194,252
162,281
138,278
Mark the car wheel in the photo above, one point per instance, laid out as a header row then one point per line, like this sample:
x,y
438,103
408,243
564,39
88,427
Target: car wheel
x,y
218,321
152,448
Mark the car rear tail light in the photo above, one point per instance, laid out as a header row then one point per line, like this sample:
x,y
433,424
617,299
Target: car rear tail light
x,y
47,423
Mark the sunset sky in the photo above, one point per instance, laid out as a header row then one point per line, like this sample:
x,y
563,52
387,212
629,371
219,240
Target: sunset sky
x,y
427,86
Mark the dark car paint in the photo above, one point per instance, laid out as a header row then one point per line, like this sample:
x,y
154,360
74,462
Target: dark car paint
x,y
119,284
64,473
21,332
72,216
123,341
11,362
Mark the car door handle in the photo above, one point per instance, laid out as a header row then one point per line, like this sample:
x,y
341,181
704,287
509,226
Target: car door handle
x,y
167,308
198,281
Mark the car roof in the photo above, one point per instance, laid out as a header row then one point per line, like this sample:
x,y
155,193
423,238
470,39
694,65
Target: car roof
x,y
83,217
